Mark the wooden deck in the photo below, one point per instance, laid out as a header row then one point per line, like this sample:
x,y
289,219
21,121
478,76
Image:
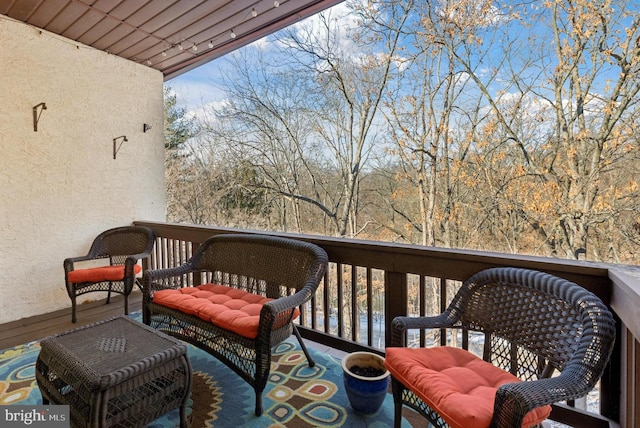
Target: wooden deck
x,y
38,327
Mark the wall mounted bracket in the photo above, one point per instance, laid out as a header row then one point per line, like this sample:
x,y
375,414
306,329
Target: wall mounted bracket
x,y
36,115
117,146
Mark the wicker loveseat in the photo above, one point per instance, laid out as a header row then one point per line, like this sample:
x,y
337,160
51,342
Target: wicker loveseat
x,y
251,289
546,340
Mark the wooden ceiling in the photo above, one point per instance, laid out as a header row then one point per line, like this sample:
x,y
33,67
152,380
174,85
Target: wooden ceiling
x,y
172,36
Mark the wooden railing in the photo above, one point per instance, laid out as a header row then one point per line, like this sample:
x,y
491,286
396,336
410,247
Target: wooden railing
x,y
372,282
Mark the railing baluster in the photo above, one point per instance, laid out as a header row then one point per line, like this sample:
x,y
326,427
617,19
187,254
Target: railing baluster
x,y
370,307
423,311
164,262
395,300
340,288
355,310
326,309
443,307
175,250
189,251
314,313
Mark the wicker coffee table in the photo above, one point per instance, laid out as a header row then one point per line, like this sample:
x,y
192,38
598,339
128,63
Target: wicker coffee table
x,y
117,372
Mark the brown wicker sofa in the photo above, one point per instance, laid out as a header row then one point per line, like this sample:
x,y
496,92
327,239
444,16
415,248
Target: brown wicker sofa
x,y
251,288
546,340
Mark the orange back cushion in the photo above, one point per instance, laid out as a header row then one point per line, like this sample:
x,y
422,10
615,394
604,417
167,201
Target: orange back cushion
x,y
100,274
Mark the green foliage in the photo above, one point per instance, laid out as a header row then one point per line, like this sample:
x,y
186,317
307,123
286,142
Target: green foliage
x,y
177,128
244,191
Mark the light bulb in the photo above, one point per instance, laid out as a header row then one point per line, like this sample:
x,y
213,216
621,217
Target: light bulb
x,y
211,44
164,53
254,12
276,3
233,34
180,47
195,48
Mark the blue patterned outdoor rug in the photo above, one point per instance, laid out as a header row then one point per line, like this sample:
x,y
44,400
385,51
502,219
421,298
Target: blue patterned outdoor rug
x,y
296,396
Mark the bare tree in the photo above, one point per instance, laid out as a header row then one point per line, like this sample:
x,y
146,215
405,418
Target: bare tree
x,y
266,123
474,124
353,87
579,85
308,121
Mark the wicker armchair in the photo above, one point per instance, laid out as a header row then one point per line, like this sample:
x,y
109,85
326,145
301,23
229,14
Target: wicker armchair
x,y
268,277
550,333
120,248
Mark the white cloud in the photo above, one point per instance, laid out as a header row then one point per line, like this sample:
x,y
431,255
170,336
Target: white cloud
x,y
341,21
204,112
472,12
261,44
198,87
401,63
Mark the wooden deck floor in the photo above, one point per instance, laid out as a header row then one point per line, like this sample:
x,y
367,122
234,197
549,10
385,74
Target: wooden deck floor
x,y
38,327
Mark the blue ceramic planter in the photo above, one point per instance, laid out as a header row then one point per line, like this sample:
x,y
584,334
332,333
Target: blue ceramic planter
x,y
365,394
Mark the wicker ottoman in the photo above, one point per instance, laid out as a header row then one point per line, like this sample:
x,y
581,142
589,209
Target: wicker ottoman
x,y
117,372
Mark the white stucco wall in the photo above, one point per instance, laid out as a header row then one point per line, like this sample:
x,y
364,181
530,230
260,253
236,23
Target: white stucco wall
x,y
60,186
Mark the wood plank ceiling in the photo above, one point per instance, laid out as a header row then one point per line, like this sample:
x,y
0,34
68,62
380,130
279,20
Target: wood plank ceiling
x,y
172,36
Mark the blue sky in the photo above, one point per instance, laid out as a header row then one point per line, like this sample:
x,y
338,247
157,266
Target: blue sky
x,y
202,86
199,87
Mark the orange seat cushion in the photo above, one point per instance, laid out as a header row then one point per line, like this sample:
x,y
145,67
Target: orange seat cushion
x,y
228,308
457,384
99,274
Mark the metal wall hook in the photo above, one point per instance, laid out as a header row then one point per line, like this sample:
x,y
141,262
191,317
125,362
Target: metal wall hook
x,y
36,115
117,146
